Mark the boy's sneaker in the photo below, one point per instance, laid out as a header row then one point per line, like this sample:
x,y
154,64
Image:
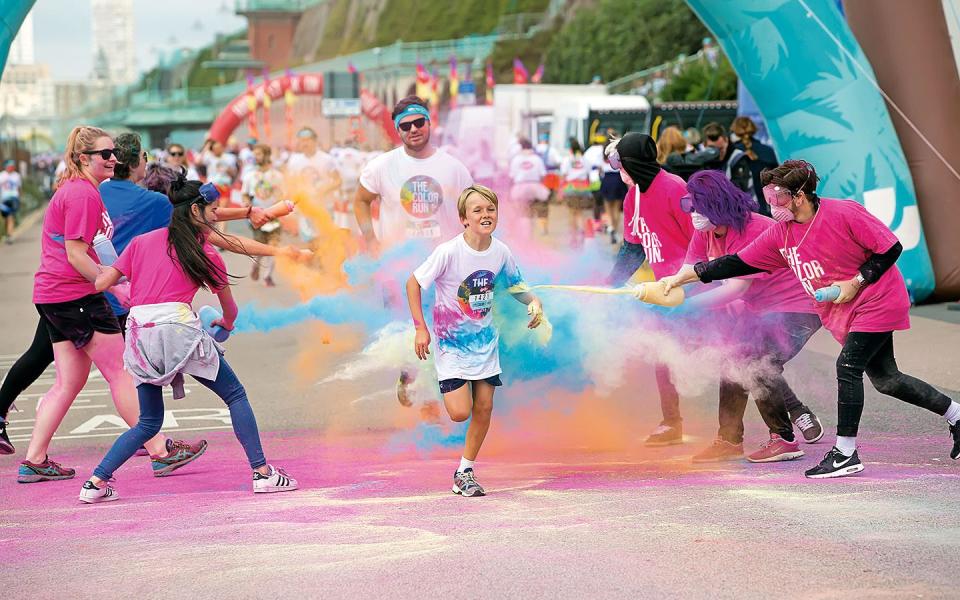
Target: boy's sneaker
x,y
91,494
46,471
465,485
665,435
836,464
955,432
6,447
808,424
719,451
776,449
276,481
141,451
180,453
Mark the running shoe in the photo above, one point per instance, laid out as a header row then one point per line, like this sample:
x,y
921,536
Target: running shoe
x,y
91,494
6,447
276,481
180,453
141,451
665,435
955,432
719,451
808,424
46,471
776,449
465,485
836,464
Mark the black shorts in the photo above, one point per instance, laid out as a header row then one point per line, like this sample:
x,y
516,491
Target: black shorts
x,y
76,320
450,385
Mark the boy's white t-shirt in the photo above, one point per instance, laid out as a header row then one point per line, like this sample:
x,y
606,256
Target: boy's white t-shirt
x,y
418,196
465,339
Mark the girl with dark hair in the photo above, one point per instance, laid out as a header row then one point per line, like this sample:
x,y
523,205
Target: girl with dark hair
x,y
827,242
778,320
165,338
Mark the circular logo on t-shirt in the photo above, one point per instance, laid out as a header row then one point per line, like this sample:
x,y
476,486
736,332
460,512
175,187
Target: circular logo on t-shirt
x,y
475,295
421,196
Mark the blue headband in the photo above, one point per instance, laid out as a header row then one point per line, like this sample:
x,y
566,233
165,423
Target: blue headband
x,y
209,193
413,109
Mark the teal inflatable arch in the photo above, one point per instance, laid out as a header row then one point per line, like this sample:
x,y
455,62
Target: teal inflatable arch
x,y
12,14
820,106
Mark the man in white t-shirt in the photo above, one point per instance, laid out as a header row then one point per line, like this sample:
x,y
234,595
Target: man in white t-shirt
x,y
417,185
10,184
313,167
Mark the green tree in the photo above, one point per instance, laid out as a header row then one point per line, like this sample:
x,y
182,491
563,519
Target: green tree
x,y
699,80
617,37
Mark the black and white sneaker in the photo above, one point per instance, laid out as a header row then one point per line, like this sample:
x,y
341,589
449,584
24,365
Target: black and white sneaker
x,y
836,464
6,447
91,494
276,481
955,432
465,485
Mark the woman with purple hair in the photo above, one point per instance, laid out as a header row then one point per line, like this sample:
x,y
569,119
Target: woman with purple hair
x,y
775,310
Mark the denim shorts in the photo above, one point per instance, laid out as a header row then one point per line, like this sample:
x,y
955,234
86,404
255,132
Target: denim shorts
x,y
450,385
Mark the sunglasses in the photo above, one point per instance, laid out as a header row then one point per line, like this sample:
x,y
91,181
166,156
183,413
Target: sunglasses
x,y
105,154
418,123
175,153
686,204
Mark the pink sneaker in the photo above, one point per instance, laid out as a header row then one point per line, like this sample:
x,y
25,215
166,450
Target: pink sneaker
x,y
776,449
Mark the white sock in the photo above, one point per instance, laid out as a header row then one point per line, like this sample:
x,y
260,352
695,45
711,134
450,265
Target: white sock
x,y
464,465
953,413
846,445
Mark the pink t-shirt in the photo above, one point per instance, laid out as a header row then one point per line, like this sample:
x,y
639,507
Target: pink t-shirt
x,y
75,213
655,220
769,292
832,247
154,276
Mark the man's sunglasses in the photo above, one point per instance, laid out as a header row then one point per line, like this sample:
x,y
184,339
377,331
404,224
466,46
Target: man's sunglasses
x,y
419,123
175,153
105,154
686,204
614,160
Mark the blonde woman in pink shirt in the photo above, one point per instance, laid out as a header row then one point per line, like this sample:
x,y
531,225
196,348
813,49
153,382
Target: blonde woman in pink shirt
x,y
80,322
827,242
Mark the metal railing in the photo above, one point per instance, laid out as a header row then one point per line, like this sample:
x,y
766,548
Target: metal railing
x,y
274,5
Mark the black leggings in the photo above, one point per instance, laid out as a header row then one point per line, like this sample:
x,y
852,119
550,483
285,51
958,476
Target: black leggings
x,y
872,353
28,368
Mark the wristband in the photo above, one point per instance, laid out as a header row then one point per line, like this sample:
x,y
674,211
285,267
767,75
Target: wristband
x,y
249,211
861,280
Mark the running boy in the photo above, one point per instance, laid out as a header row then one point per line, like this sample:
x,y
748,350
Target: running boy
x,y
464,270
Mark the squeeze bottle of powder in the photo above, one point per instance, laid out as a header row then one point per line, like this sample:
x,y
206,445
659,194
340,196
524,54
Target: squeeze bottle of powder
x,y
652,293
208,315
280,209
827,294
104,249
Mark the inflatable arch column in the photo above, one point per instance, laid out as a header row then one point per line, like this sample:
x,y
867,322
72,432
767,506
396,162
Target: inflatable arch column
x,y
819,106
12,14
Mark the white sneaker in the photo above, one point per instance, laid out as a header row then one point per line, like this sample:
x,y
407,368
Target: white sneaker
x,y
276,481
92,494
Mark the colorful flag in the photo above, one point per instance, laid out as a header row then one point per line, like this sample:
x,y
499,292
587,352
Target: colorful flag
x,y
288,100
423,81
520,74
351,68
490,83
251,108
266,105
537,75
454,82
434,95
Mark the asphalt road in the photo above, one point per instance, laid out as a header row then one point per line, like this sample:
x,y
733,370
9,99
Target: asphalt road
x,y
567,516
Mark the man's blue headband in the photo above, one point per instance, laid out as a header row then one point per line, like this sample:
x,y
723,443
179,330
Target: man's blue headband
x,y
413,109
